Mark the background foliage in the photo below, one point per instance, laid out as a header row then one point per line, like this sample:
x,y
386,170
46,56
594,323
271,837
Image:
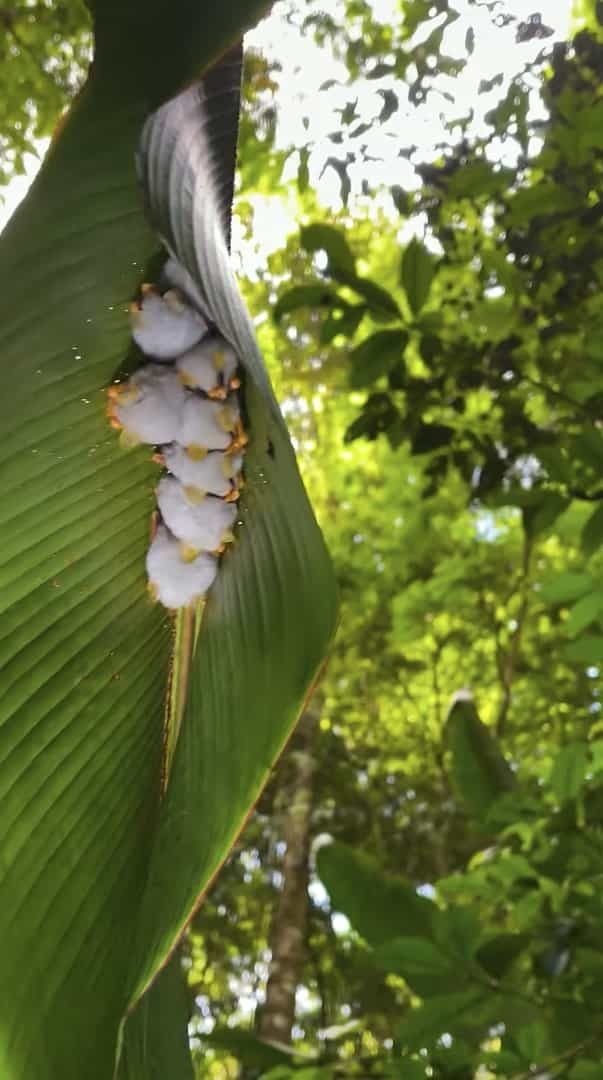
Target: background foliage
x,y
434,328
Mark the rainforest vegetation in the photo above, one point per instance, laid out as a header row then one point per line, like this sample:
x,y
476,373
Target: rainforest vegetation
x,y
417,234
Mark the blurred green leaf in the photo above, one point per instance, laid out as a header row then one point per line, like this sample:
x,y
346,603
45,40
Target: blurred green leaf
x,y
244,1045
390,105
585,1070
303,172
587,610
423,1026
379,415
343,320
457,930
592,533
379,907
315,295
382,305
402,200
418,269
498,954
533,1041
568,771
406,1070
321,237
567,586
479,771
376,356
409,956
586,650
428,437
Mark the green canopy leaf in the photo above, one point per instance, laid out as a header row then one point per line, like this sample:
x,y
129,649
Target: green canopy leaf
x,y
84,654
479,770
592,533
380,907
251,1051
322,237
568,770
587,610
418,270
381,304
376,356
586,650
567,586
318,294
423,1026
410,956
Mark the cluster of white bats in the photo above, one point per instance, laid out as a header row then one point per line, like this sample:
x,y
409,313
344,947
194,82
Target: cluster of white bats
x,y
184,402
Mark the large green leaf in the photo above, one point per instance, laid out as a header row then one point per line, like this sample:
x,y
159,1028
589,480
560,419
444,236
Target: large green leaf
x,y
479,771
156,1035
83,652
379,906
84,655
271,614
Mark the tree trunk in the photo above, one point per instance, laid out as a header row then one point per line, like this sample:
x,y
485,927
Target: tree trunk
x,y
288,929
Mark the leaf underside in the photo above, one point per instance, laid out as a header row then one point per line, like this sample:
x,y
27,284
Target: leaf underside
x,y
269,619
97,877
156,1045
83,653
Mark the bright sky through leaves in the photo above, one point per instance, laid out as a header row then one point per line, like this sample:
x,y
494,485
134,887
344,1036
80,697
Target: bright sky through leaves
x,y
306,66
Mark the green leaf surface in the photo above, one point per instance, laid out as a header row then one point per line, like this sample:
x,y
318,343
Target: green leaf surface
x,y
568,771
376,356
533,1042
585,1070
479,770
84,654
592,532
418,269
318,294
344,321
244,1045
457,931
382,305
423,1026
271,614
406,1070
566,587
587,610
428,437
410,956
380,907
322,237
498,954
156,1034
586,650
